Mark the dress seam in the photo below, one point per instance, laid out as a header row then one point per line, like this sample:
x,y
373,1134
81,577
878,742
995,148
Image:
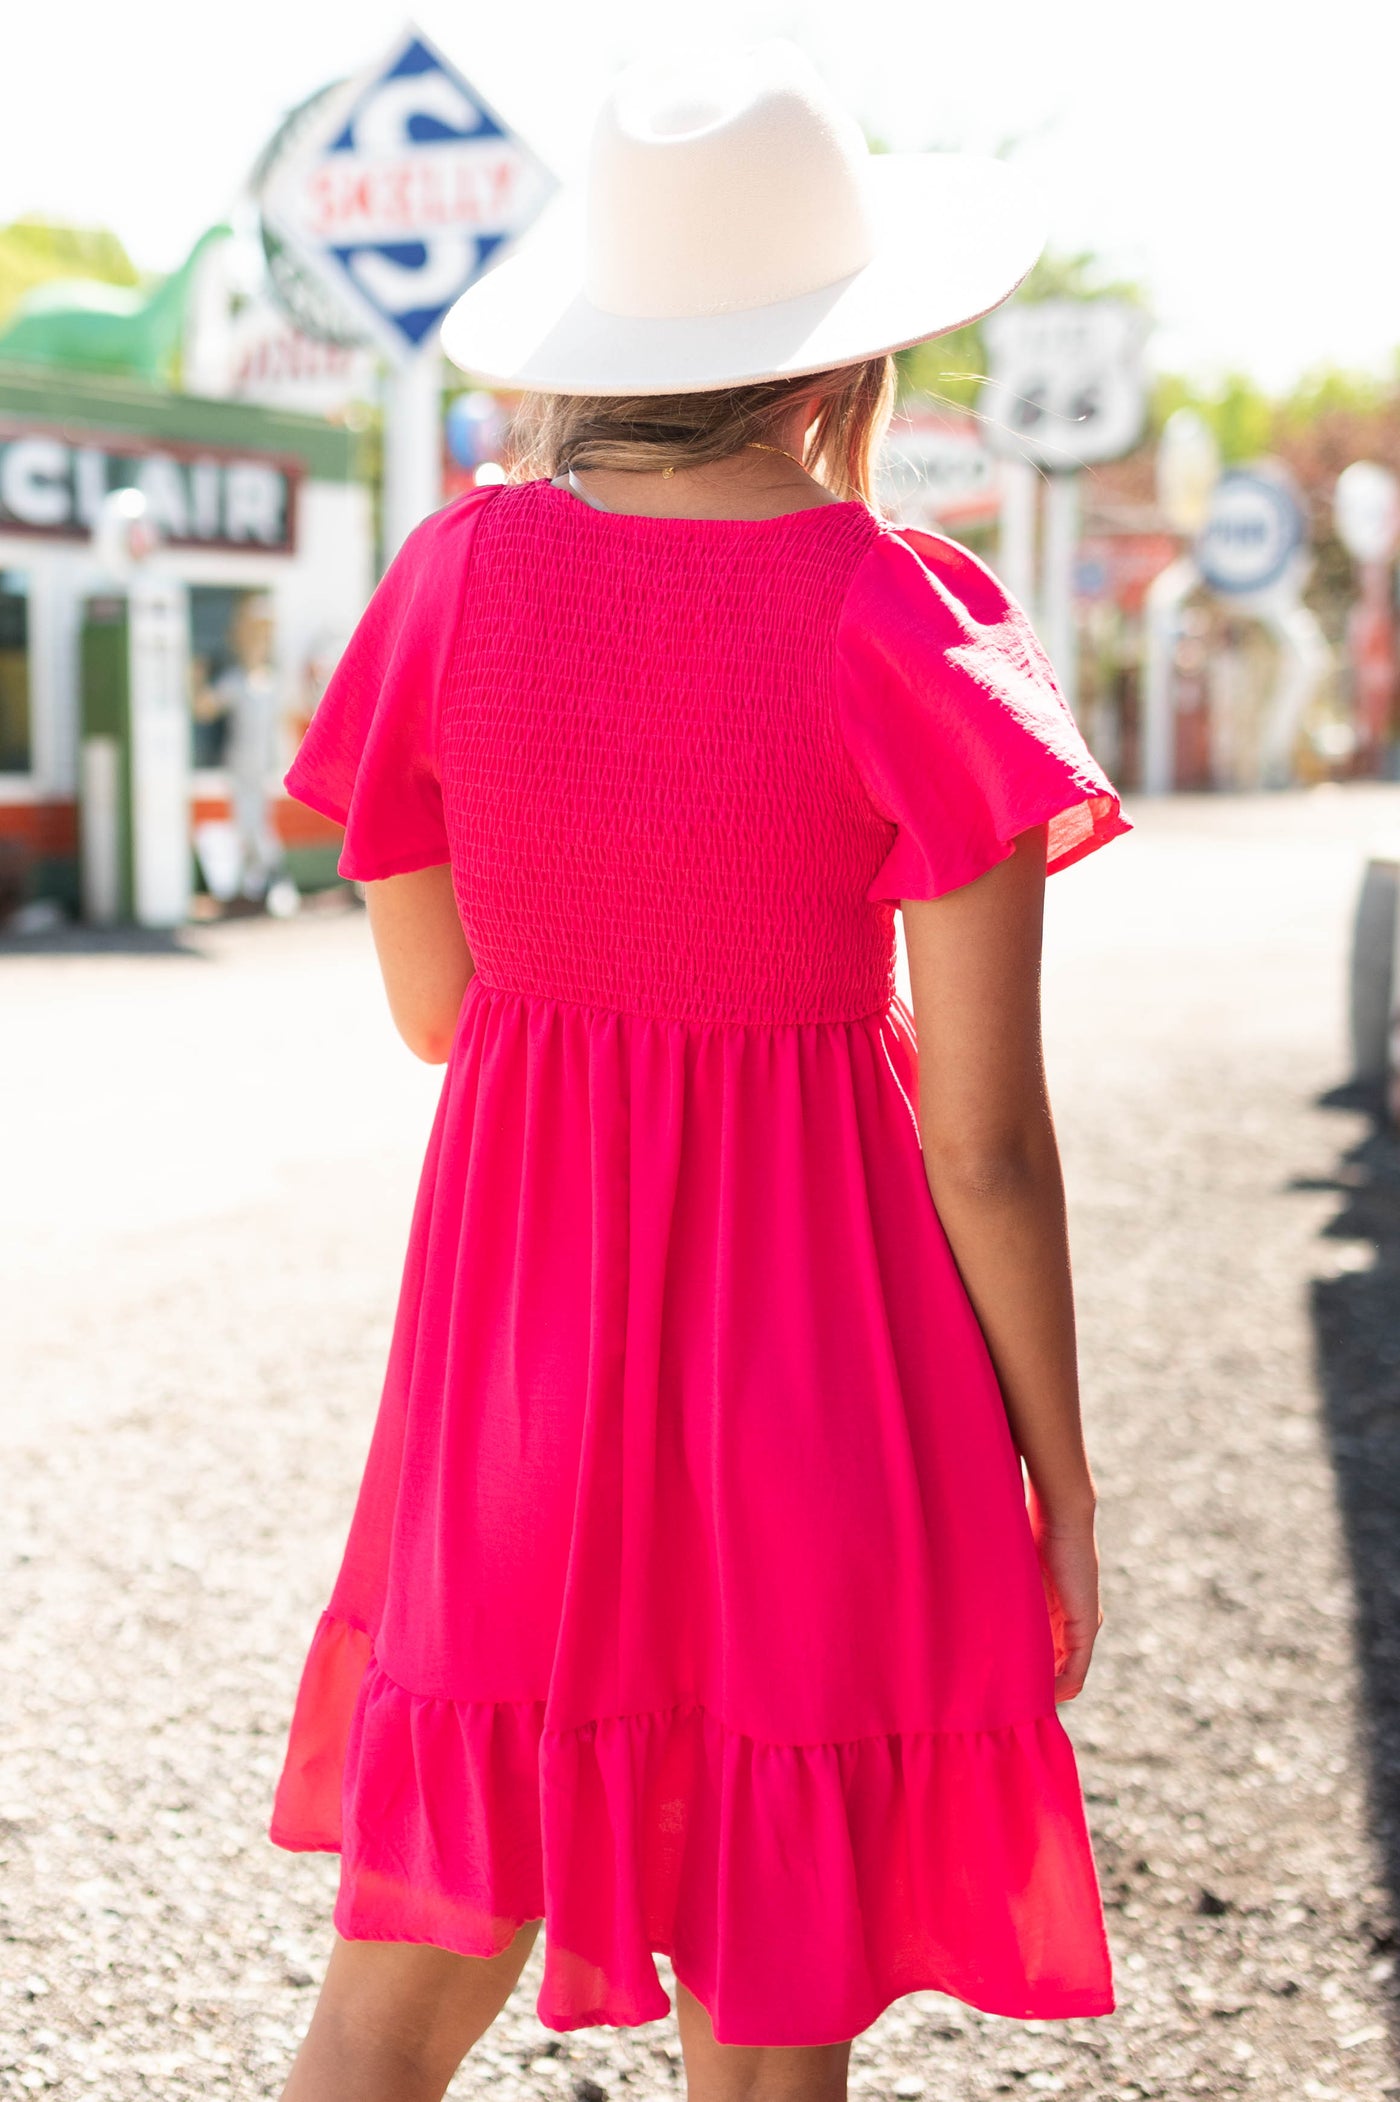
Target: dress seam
x,y
884,531
446,684
693,1023
688,1705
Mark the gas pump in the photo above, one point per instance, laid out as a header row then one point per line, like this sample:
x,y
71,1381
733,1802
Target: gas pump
x,y
134,759
104,761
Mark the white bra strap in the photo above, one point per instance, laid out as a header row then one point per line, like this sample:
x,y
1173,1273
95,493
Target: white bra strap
x,y
570,481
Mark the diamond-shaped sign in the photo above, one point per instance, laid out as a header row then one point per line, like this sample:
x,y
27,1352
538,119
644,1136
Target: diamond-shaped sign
x,y
402,190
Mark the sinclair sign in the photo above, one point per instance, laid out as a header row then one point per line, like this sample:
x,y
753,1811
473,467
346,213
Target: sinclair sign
x,y
52,483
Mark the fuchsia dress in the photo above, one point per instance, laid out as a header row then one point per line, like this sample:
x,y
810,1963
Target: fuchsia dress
x,y
690,1602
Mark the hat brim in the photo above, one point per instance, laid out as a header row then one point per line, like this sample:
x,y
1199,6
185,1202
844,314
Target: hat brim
x,y
955,235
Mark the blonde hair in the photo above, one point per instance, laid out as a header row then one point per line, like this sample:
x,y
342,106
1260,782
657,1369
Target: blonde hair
x,y
553,432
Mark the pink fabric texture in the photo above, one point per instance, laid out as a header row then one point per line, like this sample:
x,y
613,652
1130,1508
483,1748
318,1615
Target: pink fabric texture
x,y
690,1603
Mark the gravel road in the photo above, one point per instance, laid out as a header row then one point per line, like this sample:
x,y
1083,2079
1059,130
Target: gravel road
x,y
210,1157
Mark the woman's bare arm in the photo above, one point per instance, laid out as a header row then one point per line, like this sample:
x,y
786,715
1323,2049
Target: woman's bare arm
x,y
994,1172
423,957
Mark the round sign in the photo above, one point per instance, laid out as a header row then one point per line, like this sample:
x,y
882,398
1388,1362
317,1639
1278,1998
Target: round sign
x,y
1253,530
1366,509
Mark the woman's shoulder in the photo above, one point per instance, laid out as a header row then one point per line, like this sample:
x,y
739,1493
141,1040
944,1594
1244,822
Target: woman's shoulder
x,y
910,573
443,541
953,716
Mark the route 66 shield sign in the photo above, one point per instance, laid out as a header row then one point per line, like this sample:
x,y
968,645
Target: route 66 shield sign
x,y
1066,386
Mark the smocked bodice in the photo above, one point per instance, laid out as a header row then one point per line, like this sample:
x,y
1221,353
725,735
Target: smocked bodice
x,y
685,768
649,803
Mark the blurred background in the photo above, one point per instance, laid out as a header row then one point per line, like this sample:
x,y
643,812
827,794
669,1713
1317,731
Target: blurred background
x,y
221,271
227,238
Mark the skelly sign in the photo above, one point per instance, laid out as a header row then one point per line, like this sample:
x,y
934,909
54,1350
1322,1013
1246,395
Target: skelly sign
x,y
52,482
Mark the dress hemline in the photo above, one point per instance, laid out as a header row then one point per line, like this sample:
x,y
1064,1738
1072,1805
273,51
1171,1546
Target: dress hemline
x,y
889,1864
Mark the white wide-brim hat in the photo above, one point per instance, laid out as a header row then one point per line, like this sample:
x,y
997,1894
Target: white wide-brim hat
x,y
733,226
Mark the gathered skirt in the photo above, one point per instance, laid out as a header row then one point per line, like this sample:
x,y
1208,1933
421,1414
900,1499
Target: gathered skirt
x,y
690,1602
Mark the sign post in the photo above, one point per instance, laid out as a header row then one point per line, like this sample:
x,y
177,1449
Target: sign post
x,y
1162,609
1188,468
1060,542
1366,509
1066,391
1252,552
398,193
412,447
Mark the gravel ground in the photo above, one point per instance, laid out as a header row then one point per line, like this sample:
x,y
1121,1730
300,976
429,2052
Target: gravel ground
x,y
211,1151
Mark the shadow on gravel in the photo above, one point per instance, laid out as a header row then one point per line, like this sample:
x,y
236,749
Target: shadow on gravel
x,y
192,941
1356,1323
104,941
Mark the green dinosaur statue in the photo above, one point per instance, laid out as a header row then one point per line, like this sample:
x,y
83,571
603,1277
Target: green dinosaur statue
x,y
83,325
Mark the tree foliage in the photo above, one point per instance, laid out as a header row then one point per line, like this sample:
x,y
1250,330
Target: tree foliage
x,y
38,251
951,368
1329,410
1237,410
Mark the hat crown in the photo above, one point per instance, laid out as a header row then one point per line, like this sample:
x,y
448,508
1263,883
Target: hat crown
x,y
722,181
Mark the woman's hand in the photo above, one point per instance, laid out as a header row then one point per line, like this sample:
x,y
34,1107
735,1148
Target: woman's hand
x,y
1069,1570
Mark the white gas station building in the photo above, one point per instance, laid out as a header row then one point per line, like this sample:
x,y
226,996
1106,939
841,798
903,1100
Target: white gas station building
x,y
246,502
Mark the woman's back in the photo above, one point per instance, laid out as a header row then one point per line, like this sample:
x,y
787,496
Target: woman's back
x,y
658,756
649,802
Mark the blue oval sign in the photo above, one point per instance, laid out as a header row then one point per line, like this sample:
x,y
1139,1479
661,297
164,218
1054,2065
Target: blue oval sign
x,y
1254,529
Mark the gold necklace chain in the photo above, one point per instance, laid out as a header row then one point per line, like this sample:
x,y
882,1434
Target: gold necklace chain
x,y
757,445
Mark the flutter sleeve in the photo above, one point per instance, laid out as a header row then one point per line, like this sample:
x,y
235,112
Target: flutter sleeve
x,y
369,759
952,716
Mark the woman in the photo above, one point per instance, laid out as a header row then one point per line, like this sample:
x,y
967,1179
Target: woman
x,y
695,1600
